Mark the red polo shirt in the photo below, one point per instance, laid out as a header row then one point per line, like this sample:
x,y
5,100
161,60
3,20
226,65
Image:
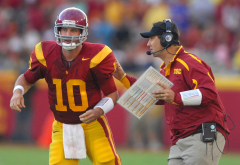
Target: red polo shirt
x,y
188,72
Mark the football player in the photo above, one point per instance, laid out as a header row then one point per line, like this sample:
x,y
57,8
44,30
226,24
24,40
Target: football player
x,y
79,75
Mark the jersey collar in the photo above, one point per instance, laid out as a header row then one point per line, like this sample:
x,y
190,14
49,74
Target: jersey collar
x,y
168,67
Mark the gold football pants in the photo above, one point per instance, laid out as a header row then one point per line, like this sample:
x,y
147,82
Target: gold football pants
x,y
99,144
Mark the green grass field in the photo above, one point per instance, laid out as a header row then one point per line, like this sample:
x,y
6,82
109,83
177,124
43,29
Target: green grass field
x,y
30,155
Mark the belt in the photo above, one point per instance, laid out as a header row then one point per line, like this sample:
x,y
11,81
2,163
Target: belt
x,y
198,131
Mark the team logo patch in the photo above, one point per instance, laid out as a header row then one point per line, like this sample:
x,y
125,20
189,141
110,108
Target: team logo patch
x,y
177,71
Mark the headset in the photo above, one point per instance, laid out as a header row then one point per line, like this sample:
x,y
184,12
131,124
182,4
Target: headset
x,y
167,37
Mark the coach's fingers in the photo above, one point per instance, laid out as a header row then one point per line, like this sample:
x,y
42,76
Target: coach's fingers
x,y
159,96
162,85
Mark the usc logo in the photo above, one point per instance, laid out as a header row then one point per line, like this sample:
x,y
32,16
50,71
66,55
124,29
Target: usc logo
x,y
177,71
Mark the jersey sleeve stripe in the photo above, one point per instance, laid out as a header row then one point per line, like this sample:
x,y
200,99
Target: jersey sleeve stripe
x,y
195,58
195,82
183,63
39,54
30,63
211,77
100,56
115,68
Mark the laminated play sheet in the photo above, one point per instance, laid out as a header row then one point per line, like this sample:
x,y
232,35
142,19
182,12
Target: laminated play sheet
x,y
138,98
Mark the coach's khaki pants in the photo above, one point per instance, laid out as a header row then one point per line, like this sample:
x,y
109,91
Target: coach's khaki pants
x,y
193,151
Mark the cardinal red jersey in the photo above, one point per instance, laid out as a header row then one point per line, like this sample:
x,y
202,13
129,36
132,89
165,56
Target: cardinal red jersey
x,y
73,90
188,72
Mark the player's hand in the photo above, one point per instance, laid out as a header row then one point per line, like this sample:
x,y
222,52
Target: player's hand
x,y
91,115
17,101
119,71
166,93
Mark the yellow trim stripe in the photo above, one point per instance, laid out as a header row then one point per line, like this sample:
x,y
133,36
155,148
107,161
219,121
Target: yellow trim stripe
x,y
168,67
39,54
210,77
195,58
183,63
161,65
100,56
123,77
115,67
179,50
126,82
30,63
175,103
111,139
195,82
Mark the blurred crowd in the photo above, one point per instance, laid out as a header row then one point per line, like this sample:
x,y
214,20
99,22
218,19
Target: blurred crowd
x,y
209,29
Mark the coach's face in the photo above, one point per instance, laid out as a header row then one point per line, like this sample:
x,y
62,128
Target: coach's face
x,y
154,44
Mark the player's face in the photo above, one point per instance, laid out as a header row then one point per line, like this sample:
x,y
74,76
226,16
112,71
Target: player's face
x,y
69,31
154,44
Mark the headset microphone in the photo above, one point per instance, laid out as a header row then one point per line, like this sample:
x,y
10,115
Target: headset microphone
x,y
149,52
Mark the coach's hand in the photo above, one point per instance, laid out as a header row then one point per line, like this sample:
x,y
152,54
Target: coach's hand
x,y
17,101
119,73
166,93
91,115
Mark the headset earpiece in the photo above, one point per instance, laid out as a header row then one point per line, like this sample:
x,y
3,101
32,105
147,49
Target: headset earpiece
x,y
167,37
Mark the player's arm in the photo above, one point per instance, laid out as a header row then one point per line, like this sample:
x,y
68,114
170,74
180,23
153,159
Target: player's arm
x,y
25,81
103,65
120,75
104,106
21,87
107,103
